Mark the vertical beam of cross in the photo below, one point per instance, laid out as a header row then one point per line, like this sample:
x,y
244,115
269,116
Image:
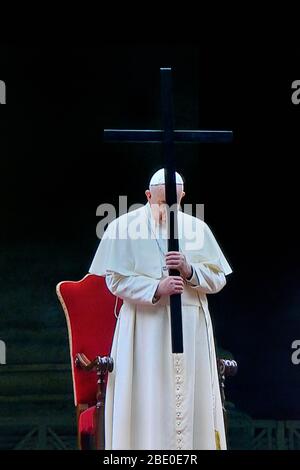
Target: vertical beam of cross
x,y
171,199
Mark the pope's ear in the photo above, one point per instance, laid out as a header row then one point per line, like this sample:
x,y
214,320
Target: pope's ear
x,y
183,194
148,194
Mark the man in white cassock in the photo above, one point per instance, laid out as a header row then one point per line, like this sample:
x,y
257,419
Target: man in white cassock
x,y
156,399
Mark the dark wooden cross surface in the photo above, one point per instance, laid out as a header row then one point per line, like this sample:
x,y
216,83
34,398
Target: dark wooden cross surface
x,y
167,135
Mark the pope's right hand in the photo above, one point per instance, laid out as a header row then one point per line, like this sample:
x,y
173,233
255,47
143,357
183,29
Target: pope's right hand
x,y
169,285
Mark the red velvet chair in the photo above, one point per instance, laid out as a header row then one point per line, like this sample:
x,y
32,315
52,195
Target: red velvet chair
x,y
90,311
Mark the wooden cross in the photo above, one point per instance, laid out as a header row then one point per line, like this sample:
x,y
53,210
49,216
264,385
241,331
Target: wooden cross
x,y
167,135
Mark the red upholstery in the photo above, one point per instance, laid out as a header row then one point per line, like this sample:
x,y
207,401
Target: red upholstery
x,y
89,309
86,421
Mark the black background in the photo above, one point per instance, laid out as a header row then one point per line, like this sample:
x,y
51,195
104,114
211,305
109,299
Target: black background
x,y
55,171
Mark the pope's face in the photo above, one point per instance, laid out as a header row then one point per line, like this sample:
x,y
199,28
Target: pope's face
x,y
157,199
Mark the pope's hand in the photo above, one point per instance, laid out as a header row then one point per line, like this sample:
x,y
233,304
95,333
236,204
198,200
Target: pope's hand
x,y
169,285
177,260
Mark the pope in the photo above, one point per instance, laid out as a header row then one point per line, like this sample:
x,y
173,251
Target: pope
x,y
157,400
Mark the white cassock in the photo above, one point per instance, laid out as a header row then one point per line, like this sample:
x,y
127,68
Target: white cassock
x,y
156,399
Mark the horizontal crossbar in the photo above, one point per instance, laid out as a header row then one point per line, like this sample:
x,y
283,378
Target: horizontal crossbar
x,y
127,135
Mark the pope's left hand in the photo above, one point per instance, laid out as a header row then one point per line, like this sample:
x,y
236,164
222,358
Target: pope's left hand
x,y
177,260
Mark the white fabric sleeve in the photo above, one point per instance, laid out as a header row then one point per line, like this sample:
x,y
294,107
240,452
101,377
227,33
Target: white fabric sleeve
x,y
138,289
193,281
206,280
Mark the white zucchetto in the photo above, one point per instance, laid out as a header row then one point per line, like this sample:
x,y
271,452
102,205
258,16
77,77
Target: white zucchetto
x,y
159,178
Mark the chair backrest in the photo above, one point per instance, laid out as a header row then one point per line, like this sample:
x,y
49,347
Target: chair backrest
x,y
89,308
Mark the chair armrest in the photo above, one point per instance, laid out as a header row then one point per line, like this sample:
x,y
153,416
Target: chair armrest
x,y
100,364
227,367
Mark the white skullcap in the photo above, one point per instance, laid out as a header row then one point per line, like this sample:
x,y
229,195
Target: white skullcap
x,y
159,178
